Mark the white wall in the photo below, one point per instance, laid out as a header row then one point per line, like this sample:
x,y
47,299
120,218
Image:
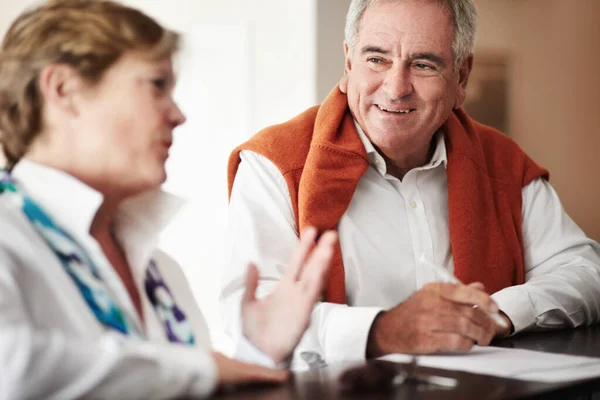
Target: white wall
x,y
281,35
9,10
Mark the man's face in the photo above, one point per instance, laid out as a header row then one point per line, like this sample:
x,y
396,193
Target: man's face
x,y
402,85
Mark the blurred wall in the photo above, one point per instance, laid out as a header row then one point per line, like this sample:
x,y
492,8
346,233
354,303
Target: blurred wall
x,y
331,18
554,102
282,37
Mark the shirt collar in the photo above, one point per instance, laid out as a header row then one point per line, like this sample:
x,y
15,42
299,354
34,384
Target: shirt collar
x,y
439,155
73,205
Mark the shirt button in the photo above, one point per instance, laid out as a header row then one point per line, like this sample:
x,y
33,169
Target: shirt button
x,y
413,205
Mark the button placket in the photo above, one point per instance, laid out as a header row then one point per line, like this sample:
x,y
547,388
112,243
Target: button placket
x,y
409,192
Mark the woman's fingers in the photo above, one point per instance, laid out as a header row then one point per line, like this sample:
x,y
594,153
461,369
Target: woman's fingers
x,y
233,372
314,272
251,284
307,242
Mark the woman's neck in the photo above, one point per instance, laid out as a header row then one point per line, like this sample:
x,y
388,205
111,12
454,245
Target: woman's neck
x,y
74,166
103,222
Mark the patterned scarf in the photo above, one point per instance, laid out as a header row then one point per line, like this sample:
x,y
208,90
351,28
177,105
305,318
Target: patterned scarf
x,y
82,270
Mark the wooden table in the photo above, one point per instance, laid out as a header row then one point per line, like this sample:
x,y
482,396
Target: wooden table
x,y
324,384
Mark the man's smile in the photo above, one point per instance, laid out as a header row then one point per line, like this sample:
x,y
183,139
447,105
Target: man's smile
x,y
395,110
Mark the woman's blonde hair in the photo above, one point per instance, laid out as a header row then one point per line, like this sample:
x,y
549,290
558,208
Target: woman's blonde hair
x,y
88,35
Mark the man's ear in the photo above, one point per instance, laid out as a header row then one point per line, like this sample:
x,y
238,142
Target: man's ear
x,y
347,68
58,84
463,78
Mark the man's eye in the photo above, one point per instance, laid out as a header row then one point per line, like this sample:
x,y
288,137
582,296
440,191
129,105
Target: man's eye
x,y
423,67
375,60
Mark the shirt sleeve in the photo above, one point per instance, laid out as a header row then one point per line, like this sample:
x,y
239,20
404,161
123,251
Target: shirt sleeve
x,y
262,229
562,268
245,351
41,363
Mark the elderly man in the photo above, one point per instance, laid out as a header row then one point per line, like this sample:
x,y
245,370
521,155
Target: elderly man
x,y
413,186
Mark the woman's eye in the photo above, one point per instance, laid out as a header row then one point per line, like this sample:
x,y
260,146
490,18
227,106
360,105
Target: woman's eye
x,y
160,83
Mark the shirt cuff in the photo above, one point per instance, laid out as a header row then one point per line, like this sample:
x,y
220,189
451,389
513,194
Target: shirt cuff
x,y
347,333
517,306
245,351
186,363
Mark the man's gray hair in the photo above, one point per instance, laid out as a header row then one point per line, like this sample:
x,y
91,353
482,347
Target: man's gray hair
x,y
463,15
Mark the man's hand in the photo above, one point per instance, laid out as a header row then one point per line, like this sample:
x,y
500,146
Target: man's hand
x,y
504,331
440,317
233,372
276,323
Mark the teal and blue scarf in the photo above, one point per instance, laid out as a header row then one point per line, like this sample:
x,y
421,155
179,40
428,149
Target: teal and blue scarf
x,y
82,270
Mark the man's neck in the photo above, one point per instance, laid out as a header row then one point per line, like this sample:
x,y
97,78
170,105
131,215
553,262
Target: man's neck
x,y
398,165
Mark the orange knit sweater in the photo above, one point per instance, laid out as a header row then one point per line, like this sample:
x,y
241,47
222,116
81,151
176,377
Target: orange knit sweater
x,y
322,159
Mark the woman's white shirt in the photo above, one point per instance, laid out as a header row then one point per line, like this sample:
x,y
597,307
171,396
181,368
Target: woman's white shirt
x,y
51,344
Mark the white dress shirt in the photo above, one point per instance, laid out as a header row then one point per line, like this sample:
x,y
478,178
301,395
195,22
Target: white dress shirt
x,y
51,344
387,227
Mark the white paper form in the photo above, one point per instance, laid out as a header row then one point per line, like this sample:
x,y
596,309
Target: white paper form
x,y
519,364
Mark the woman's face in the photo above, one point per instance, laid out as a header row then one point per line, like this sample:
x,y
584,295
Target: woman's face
x,y
124,124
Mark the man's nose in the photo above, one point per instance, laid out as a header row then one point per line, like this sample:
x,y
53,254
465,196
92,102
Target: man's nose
x,y
398,82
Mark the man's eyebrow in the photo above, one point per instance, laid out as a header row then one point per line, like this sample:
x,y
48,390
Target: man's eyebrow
x,y
373,49
417,56
429,57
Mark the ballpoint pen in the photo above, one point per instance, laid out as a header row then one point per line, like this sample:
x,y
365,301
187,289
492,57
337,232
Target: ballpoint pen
x,y
447,277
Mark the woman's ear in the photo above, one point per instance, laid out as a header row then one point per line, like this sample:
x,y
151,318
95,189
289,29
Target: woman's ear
x,y
58,84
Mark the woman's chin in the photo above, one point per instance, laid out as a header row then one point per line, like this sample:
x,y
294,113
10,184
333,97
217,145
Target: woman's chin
x,y
153,182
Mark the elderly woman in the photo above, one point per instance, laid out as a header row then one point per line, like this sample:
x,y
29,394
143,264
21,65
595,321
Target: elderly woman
x,y
88,307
